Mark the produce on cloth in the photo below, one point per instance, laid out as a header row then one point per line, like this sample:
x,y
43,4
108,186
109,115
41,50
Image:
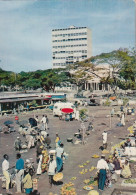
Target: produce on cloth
x,y
89,187
68,189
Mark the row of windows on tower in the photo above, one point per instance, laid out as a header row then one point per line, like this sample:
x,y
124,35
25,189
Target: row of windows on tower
x,y
63,40
69,57
76,51
64,46
69,34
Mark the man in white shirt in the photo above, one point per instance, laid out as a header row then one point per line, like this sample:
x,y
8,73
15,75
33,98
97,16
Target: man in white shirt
x,y
102,166
52,169
44,122
5,168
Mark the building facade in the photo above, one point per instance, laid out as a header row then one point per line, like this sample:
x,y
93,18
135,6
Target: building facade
x,y
71,45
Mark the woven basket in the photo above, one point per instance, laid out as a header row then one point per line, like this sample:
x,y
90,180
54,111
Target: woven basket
x,y
58,177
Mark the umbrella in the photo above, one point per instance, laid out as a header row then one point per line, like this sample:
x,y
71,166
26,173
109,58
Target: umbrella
x,y
23,122
67,110
33,122
8,122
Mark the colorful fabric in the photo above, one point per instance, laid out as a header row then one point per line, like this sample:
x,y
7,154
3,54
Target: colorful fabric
x,y
45,160
59,163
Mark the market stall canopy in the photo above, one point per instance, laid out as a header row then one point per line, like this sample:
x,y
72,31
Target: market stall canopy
x,y
67,110
8,122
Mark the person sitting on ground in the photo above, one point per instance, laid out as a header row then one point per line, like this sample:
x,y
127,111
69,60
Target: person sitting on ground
x,y
38,150
18,144
6,129
128,143
47,141
28,183
126,171
117,165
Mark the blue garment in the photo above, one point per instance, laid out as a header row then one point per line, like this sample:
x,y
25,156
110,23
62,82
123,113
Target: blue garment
x,y
59,163
28,190
20,164
102,178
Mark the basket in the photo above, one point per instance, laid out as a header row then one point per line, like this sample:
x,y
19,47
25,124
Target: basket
x,y
58,177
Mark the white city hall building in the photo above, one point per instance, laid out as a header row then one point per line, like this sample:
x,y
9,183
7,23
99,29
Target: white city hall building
x,y
70,45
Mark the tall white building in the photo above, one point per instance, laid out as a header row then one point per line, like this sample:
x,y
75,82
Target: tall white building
x,y
71,45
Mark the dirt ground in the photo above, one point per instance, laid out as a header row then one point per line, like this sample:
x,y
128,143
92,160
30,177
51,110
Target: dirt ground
x,y
78,154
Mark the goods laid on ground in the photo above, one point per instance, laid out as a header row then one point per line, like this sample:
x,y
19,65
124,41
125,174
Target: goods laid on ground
x,y
83,171
92,168
73,178
93,192
89,187
58,177
95,156
91,182
105,152
129,182
86,181
68,189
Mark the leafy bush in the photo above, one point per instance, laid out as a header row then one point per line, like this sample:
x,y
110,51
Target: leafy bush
x,y
107,102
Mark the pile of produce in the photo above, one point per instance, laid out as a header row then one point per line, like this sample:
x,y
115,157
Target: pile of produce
x,y
92,168
68,189
130,181
105,152
95,156
117,146
73,178
83,171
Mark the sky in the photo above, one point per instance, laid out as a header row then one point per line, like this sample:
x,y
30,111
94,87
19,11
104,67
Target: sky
x,y
26,25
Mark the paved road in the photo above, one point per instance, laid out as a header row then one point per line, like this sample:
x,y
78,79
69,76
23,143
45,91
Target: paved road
x,y
78,154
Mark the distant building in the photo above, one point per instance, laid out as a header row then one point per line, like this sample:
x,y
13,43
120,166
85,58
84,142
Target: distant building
x,y
70,45
95,84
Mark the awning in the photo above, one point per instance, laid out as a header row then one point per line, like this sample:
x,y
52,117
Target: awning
x,y
67,110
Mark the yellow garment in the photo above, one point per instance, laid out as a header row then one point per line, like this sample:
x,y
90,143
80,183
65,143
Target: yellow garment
x,y
126,172
7,177
27,181
57,139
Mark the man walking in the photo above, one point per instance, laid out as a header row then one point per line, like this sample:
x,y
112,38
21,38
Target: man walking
x,y
102,166
44,122
19,172
5,168
52,169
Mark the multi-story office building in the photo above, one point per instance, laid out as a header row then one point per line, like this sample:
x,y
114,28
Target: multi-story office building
x,y
70,45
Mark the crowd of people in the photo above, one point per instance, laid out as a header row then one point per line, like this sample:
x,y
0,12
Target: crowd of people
x,y
50,161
